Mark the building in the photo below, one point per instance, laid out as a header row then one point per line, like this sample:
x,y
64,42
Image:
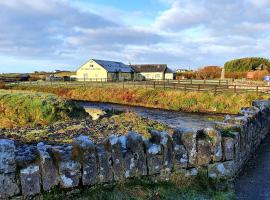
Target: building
x,y
153,72
102,70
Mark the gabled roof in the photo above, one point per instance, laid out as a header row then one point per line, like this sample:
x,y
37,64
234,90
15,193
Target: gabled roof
x,y
112,66
150,67
168,70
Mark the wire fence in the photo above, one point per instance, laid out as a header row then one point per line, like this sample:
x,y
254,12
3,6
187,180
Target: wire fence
x,y
215,86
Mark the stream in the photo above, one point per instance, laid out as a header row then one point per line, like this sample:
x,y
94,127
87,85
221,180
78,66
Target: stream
x,y
174,119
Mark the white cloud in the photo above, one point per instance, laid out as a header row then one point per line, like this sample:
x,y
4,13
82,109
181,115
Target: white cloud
x,y
186,32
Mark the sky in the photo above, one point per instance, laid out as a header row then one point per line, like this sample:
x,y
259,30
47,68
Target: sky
x,y
45,35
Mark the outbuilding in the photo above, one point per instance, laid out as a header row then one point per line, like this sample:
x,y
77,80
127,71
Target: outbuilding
x,y
153,72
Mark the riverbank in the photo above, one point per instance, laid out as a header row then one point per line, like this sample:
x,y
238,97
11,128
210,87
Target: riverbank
x,y
25,108
203,102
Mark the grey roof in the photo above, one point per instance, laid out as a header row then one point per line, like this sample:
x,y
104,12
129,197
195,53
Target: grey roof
x,y
112,66
168,70
150,67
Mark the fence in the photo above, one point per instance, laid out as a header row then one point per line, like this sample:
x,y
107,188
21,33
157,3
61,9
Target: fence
x,y
215,86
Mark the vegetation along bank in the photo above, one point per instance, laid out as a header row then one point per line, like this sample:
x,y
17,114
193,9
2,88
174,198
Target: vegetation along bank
x,y
24,108
156,98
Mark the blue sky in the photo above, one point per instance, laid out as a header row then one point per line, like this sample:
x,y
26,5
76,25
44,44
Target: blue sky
x,y
63,34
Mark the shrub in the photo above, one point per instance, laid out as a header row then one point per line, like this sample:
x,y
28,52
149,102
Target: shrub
x,y
246,64
2,85
209,72
235,75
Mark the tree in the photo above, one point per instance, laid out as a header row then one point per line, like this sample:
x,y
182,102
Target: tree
x,y
247,64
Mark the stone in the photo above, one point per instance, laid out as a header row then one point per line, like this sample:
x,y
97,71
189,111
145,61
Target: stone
x,y
180,159
191,172
105,172
238,120
7,156
154,158
204,152
221,170
8,186
135,157
69,169
85,153
26,155
261,104
228,148
30,180
160,154
216,146
249,111
49,172
187,137
113,145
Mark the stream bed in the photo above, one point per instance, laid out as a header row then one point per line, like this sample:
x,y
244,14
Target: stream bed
x,y
174,119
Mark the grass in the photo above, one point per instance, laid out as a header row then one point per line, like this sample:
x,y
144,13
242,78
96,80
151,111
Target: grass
x,y
145,189
66,131
23,108
156,98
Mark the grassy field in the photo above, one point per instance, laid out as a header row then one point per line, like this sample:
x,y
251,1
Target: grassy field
x,y
24,108
156,98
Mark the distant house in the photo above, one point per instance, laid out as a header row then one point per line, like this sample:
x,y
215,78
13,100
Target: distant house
x,y
103,70
182,70
153,72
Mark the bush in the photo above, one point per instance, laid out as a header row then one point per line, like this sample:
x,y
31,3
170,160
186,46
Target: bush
x,y
209,72
246,64
235,75
2,85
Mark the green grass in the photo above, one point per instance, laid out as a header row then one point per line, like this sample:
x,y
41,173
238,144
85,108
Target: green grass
x,y
23,108
144,189
156,98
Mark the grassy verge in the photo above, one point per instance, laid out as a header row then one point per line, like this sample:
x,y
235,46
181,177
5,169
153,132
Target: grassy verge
x,y
156,98
23,108
147,190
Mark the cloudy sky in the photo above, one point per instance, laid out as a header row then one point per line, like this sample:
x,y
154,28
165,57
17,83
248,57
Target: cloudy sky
x,y
63,34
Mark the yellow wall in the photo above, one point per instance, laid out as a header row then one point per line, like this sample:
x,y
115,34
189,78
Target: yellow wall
x,y
169,76
151,75
91,70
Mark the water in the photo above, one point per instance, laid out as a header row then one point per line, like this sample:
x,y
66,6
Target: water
x,y
173,119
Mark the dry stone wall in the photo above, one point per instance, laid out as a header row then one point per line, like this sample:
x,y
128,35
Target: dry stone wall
x,y
28,170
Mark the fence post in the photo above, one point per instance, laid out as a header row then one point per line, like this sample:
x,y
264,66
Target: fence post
x,y
123,84
173,85
257,90
199,88
154,84
163,84
204,81
191,81
215,90
219,82
234,89
185,87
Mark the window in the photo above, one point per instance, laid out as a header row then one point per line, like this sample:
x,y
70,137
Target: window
x,y
157,76
91,65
